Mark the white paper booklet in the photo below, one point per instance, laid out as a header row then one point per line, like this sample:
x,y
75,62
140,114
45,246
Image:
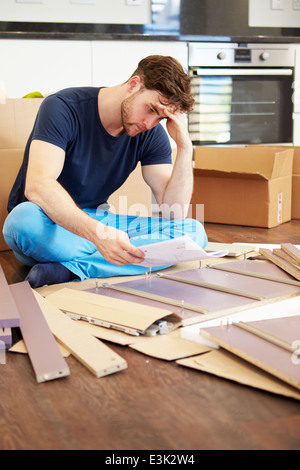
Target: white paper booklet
x,y
176,250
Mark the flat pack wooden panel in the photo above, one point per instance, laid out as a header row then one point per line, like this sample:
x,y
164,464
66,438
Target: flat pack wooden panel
x,y
92,353
282,263
9,314
46,359
212,301
262,353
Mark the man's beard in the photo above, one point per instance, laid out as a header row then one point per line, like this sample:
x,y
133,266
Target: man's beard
x,y
131,128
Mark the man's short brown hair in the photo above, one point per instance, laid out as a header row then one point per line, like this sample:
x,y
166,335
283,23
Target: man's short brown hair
x,y
167,76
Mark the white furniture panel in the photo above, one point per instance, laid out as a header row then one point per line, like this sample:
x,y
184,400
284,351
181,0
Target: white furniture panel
x,y
45,66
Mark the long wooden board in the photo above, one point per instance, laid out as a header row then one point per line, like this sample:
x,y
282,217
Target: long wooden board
x,y
282,263
262,353
292,251
92,353
9,314
45,357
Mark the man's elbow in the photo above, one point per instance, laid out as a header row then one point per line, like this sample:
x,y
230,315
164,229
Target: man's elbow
x,y
32,190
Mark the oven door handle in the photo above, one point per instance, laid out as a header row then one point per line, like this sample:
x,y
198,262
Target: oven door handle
x,y
237,72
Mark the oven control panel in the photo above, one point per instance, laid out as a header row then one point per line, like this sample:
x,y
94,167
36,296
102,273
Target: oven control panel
x,y
233,54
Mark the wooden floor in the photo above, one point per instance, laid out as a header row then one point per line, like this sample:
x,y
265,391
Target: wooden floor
x,y
153,405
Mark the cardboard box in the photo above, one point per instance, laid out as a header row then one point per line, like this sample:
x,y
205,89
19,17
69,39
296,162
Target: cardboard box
x,y
295,179
296,185
17,117
16,121
243,185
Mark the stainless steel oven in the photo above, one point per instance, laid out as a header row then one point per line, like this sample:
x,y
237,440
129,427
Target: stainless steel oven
x,y
243,93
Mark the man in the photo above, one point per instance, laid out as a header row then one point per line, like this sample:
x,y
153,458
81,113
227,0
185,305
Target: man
x,y
84,144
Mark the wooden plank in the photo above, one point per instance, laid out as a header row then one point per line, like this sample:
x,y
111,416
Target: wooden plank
x,y
157,298
267,336
262,353
258,275
216,287
283,264
9,314
91,352
45,357
292,251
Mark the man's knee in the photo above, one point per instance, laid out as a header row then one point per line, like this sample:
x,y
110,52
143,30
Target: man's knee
x,y
24,220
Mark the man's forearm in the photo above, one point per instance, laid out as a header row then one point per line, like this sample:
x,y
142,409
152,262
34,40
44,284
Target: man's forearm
x,y
178,193
113,244
61,209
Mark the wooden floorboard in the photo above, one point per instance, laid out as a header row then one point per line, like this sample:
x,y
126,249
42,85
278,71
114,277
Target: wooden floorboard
x,y
152,405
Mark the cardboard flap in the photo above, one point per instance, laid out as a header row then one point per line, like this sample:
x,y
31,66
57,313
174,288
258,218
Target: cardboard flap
x,y
283,164
229,174
243,162
107,309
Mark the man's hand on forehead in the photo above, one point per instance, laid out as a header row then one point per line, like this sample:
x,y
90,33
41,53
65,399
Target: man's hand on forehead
x,y
168,109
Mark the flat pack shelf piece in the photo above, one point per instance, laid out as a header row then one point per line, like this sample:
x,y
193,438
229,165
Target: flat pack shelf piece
x,y
46,359
289,253
267,336
9,314
282,263
216,287
258,275
158,298
191,297
92,353
262,352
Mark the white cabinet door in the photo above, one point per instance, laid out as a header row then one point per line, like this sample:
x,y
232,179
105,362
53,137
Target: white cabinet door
x,y
114,61
45,66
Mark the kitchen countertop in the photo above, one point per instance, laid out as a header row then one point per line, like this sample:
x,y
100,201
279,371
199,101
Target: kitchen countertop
x,y
99,32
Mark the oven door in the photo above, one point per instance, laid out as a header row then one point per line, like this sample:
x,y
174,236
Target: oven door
x,y
241,106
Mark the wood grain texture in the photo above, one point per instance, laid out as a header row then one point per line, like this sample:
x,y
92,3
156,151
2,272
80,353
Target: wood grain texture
x,y
46,359
153,404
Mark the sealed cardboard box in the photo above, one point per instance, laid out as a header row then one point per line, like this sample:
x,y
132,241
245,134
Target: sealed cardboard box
x,y
243,185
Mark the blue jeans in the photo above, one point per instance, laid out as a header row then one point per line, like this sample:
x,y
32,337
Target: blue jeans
x,y
35,238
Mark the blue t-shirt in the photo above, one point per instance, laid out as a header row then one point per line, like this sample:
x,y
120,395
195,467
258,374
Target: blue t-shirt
x,y
96,163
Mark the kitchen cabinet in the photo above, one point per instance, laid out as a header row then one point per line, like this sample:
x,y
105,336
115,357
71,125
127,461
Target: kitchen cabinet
x,y
47,66
41,65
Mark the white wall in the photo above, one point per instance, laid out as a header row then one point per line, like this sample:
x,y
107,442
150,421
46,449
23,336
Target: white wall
x,y
47,66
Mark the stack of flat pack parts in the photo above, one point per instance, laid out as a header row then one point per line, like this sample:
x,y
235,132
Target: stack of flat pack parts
x,y
42,327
